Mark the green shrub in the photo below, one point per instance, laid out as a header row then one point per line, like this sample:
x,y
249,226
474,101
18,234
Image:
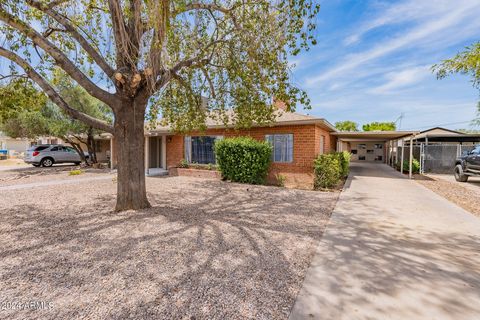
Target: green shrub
x,y
327,171
183,164
280,179
415,166
344,159
243,159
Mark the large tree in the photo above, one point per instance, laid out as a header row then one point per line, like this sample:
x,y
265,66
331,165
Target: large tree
x,y
379,126
167,54
346,125
466,62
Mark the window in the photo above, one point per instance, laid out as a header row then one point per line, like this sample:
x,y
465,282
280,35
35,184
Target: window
x,y
200,149
361,158
282,147
362,146
369,151
38,148
354,151
378,146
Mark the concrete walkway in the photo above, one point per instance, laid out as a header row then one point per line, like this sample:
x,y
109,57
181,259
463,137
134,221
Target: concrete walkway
x,y
393,250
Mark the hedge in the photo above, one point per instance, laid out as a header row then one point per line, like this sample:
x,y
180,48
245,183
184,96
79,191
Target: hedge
x,y
243,159
330,168
344,159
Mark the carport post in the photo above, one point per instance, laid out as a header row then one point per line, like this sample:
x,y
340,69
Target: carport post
x,y
411,158
401,159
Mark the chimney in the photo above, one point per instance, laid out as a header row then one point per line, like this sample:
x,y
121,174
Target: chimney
x,y
279,104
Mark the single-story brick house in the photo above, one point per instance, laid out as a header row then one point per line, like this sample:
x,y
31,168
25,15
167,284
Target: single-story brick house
x,y
296,139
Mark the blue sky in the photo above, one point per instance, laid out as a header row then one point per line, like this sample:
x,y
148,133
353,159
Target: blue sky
x,y
373,61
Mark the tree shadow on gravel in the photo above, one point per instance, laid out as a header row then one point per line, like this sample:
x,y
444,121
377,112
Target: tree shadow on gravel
x,y
389,260
206,250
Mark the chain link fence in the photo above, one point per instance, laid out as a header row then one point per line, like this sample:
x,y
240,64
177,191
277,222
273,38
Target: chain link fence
x,y
439,158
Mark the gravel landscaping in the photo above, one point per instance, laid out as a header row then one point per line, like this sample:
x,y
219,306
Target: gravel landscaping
x,y
205,250
459,193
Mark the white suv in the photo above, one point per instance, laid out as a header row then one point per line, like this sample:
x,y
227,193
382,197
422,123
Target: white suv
x,y
46,155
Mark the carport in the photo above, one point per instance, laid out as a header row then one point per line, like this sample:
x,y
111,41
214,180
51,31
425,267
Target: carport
x,y
377,146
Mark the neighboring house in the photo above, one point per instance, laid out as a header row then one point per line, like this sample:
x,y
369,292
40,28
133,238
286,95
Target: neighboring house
x,y
443,136
14,146
437,148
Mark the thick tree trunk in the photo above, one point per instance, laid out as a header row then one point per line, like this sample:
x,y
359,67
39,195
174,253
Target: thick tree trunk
x,y
129,148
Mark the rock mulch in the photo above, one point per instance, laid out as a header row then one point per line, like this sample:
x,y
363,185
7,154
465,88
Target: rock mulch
x,y
464,197
205,250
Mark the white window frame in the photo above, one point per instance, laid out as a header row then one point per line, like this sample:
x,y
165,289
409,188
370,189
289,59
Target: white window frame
x,y
187,142
270,138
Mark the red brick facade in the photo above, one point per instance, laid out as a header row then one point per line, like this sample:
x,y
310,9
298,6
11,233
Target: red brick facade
x,y
306,146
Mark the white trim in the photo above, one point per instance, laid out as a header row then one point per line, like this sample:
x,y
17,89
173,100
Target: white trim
x,y
164,152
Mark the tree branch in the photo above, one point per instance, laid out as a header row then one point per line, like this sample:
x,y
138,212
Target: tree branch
x,y
119,32
99,60
60,58
211,7
53,95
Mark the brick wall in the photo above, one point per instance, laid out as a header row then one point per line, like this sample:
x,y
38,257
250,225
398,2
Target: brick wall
x,y
306,146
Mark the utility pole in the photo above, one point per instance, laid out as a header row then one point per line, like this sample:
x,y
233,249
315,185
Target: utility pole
x,y
399,120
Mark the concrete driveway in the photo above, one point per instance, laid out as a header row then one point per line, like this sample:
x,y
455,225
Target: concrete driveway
x,y
393,250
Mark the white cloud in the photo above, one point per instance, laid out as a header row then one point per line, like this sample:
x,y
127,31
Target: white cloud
x,y
402,79
407,11
449,23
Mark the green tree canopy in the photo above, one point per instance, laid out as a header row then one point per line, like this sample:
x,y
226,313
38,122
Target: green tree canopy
x,y
29,118
19,96
467,63
172,55
346,125
379,126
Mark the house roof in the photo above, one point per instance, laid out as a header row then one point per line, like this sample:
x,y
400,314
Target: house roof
x,y
443,134
440,129
283,118
373,135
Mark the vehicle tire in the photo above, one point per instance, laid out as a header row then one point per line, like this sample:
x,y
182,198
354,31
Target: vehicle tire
x,y
36,164
459,175
77,163
47,162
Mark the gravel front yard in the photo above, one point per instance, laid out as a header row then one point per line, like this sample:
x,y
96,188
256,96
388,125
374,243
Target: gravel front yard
x,y
206,250
458,193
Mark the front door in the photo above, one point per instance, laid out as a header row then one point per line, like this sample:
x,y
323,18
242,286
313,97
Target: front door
x,y
155,152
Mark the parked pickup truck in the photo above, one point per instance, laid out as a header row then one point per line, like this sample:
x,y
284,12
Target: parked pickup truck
x,y
468,165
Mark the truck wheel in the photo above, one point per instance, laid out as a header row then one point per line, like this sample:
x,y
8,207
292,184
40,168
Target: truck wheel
x,y
47,162
459,176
